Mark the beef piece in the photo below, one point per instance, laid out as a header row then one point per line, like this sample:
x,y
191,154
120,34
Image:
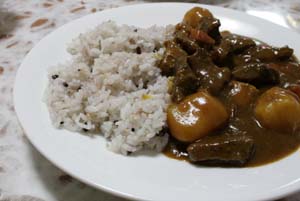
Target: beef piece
x,y
190,38
214,79
239,43
263,54
256,74
200,60
173,58
267,53
211,27
243,59
211,77
288,70
185,83
285,53
185,42
231,44
222,149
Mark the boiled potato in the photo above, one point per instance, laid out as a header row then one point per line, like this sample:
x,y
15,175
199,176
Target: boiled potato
x,y
242,94
194,16
278,109
196,116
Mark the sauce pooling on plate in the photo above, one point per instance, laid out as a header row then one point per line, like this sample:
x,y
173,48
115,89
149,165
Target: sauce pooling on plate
x,y
235,100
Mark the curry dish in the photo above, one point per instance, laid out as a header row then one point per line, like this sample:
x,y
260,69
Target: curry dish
x,y
235,100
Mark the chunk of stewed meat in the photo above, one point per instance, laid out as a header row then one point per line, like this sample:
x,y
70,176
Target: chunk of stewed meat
x,y
257,74
267,53
222,149
191,38
173,58
184,83
231,44
181,36
211,77
262,53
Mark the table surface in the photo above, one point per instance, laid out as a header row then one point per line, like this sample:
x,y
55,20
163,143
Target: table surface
x,y
25,175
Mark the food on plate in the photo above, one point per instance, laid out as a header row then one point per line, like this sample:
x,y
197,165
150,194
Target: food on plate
x,y
113,86
256,120
241,94
207,96
196,116
222,149
278,109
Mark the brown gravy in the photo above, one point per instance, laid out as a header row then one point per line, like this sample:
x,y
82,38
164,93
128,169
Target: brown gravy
x,y
270,145
200,58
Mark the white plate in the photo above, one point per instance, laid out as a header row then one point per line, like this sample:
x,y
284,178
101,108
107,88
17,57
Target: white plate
x,y
146,177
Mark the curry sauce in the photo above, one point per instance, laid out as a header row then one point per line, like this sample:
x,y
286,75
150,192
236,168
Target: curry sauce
x,y
238,97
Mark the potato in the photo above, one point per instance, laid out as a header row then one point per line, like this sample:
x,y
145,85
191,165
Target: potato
x,y
196,116
242,94
194,16
278,109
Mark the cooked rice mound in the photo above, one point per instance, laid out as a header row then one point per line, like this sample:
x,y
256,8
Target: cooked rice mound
x,y
112,86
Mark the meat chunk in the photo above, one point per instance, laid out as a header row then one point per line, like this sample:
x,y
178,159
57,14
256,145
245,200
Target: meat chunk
x,y
262,53
211,77
256,74
182,38
185,83
191,38
174,57
288,71
231,44
222,149
267,53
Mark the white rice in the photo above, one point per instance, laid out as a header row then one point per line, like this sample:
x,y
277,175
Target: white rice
x,y
108,88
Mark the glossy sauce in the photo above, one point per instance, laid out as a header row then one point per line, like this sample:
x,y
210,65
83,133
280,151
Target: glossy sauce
x,y
270,145
246,77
